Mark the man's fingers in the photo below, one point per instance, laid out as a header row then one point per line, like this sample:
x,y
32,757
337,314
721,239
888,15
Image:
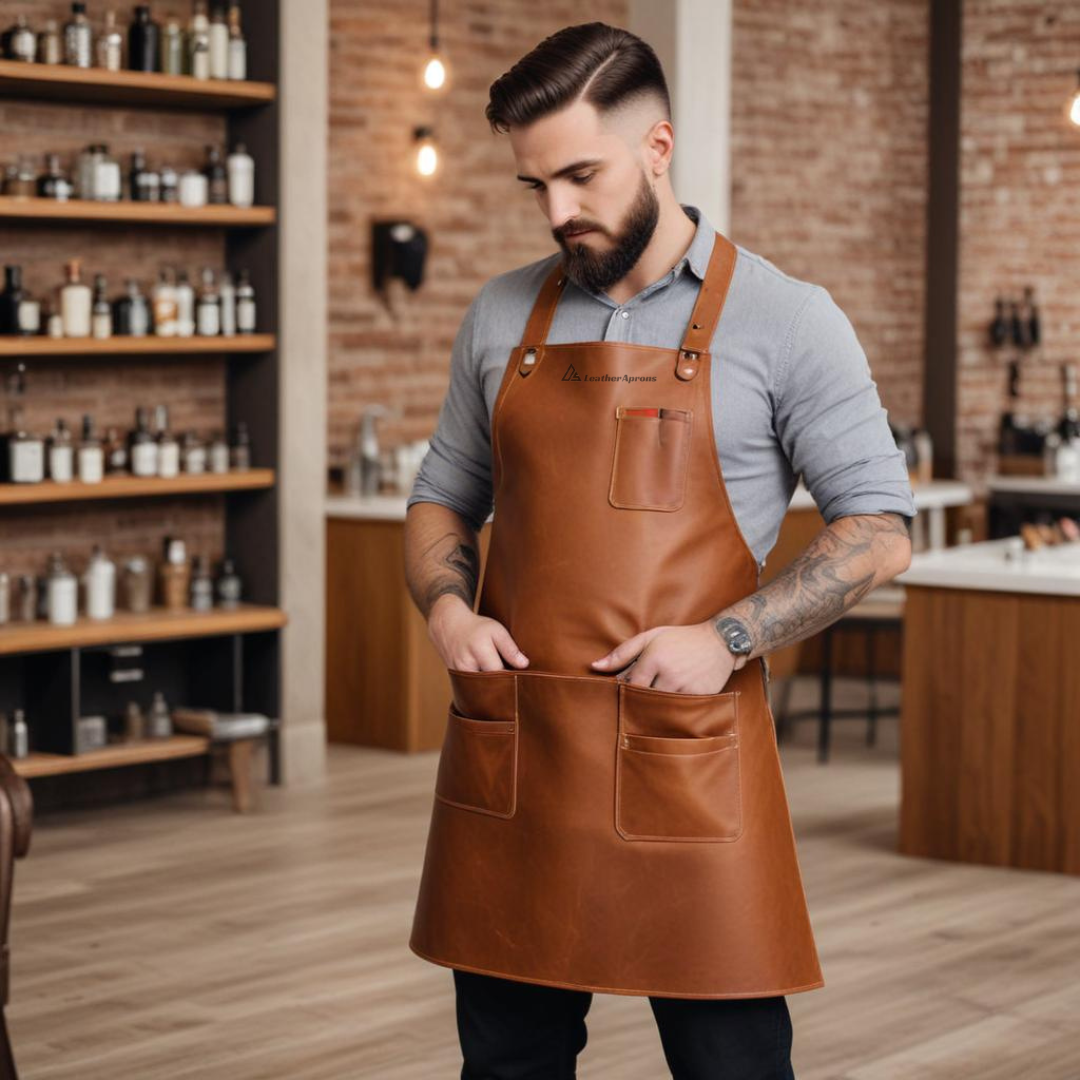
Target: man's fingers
x,y
507,646
623,653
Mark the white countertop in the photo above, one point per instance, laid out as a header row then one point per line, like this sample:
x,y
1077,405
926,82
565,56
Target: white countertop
x,y
1052,571
1035,485
389,507
928,496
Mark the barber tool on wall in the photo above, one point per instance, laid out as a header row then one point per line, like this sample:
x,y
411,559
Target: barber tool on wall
x,y
399,250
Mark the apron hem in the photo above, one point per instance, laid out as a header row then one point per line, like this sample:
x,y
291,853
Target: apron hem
x,y
617,990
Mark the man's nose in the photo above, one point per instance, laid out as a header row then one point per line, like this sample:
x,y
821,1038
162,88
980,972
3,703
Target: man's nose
x,y
562,210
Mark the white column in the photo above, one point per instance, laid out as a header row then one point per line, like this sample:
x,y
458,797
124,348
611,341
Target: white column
x,y
302,342
693,40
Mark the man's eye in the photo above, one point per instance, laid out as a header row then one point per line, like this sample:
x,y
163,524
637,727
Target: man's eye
x,y
580,179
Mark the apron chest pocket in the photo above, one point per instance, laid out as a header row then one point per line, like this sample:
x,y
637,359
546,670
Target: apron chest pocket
x,y
677,775
478,765
652,451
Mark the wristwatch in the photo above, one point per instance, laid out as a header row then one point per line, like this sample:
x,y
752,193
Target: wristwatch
x,y
738,641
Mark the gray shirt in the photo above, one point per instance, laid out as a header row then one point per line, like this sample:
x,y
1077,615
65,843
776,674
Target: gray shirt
x,y
792,392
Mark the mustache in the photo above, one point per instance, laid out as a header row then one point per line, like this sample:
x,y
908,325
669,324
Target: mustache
x,y
561,234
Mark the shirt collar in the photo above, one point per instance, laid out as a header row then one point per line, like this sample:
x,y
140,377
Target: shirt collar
x,y
698,254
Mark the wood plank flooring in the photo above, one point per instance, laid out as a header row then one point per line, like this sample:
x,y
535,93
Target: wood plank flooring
x,y
174,940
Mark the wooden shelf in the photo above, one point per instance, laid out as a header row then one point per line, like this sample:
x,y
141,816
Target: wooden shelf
x,y
155,625
135,346
15,208
74,85
134,753
126,487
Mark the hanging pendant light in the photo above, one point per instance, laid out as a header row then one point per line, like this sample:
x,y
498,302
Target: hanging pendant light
x,y
435,76
1074,108
427,152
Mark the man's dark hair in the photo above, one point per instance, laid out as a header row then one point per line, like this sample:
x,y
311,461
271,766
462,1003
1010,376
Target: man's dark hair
x,y
603,65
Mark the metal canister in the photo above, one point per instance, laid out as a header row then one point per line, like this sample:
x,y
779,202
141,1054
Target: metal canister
x,y
172,48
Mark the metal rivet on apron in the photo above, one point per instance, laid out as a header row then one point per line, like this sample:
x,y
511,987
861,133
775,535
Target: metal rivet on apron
x,y
530,356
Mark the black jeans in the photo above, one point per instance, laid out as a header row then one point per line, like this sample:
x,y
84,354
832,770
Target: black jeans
x,y
513,1030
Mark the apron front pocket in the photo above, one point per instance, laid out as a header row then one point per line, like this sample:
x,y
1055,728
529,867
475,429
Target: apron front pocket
x,y
478,762
677,769
652,453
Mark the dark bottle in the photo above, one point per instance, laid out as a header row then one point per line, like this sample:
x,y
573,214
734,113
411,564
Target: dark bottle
x,y
1009,436
1069,425
10,299
1018,329
52,183
144,41
1031,311
999,328
217,177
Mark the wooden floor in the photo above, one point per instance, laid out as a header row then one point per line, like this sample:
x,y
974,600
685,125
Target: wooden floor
x,y
172,939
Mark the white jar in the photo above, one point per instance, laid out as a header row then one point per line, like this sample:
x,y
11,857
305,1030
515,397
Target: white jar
x,y
241,169
100,584
193,188
62,592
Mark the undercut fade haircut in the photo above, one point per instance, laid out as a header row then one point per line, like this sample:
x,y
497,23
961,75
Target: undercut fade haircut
x,y
604,65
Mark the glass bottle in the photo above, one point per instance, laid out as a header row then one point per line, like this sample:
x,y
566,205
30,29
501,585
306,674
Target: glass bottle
x,y
53,183
50,46
78,39
61,453
21,42
219,40
185,305
75,302
208,308
164,303
198,42
172,48
144,447
194,454
237,45
110,45
217,178
144,41
240,166
240,452
228,585
168,447
228,304
219,453
63,592
101,313
10,299
131,312
245,304
90,455
116,452
202,585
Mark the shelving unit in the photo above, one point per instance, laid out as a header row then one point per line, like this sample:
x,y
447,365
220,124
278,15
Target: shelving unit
x,y
47,82
14,208
225,659
136,346
128,487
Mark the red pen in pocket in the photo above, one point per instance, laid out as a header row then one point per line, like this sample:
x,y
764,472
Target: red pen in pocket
x,y
640,411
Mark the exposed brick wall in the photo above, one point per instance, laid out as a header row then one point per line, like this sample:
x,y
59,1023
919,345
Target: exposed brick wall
x,y
479,223
193,390
829,115
1019,206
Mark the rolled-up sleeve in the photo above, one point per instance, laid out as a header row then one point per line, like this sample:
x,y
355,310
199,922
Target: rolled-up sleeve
x,y
456,470
830,420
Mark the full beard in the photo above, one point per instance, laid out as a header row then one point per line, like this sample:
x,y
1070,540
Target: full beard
x,y
597,271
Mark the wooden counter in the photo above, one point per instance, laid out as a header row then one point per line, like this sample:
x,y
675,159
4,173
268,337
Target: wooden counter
x,y
990,726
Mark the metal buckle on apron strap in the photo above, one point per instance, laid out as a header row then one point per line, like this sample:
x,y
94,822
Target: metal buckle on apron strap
x,y
687,367
529,359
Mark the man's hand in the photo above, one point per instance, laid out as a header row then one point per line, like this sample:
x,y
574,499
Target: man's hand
x,y
682,659
470,642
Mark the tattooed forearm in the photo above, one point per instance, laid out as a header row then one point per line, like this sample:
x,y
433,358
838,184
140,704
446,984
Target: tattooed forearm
x,y
441,556
838,568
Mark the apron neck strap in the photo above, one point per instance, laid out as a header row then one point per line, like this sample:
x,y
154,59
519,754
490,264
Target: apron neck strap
x,y
711,297
703,321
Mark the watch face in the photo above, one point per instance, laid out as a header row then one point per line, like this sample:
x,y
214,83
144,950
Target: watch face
x,y
739,642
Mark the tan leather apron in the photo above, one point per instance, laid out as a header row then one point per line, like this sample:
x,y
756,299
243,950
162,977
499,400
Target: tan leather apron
x,y
587,833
